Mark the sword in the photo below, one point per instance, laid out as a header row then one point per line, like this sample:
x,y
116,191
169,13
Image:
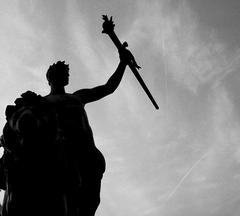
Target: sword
x,y
108,28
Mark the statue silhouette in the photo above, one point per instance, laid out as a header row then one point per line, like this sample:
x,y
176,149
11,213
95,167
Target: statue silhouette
x,y
51,165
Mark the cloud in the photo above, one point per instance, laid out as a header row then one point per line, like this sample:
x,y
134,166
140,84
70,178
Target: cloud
x,y
167,162
204,185
81,43
192,55
226,128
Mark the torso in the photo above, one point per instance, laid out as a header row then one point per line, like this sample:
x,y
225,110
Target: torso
x,y
72,118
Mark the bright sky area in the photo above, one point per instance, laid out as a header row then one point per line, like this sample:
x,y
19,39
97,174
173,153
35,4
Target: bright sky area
x,y
183,159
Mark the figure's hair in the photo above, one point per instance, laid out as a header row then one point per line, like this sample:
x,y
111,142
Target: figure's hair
x,y
55,70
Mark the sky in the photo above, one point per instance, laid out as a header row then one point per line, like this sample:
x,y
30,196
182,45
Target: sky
x,y
183,159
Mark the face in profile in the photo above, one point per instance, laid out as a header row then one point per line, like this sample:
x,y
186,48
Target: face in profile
x,y
62,79
58,74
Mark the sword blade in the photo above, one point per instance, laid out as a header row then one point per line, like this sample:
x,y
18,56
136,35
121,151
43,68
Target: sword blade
x,y
118,44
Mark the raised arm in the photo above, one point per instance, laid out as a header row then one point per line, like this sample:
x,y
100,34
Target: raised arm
x,y
96,93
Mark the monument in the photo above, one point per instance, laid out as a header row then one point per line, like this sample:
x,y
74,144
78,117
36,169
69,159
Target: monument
x,y
51,165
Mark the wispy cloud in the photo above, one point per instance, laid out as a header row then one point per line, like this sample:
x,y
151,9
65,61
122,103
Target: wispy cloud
x,y
194,56
225,126
182,153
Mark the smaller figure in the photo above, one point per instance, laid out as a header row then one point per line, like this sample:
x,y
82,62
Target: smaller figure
x,y
130,56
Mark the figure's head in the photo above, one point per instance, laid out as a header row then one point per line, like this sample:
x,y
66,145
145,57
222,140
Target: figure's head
x,y
125,44
58,73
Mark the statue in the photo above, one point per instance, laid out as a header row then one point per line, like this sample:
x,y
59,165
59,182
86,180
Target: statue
x,y
85,163
51,165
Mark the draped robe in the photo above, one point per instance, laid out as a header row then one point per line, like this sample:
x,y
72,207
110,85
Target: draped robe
x,y
51,163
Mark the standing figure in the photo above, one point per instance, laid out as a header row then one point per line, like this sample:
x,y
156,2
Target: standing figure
x,y
55,168
83,163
